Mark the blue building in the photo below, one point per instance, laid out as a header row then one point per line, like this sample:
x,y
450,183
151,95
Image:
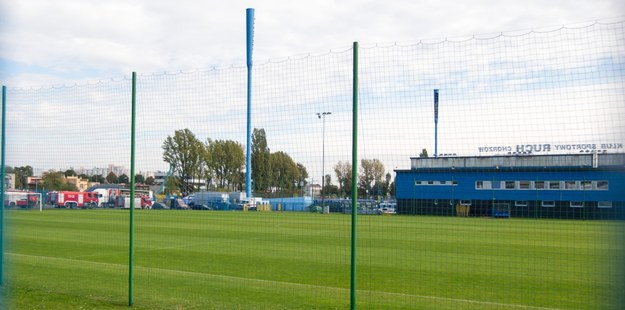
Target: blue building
x,y
577,186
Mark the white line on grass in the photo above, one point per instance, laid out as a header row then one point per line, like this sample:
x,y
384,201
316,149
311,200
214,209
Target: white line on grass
x,y
345,290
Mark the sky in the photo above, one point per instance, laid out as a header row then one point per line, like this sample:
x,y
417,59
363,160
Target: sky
x,y
494,72
68,42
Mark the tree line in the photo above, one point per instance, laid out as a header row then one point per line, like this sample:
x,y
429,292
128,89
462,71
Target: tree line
x,y
57,180
220,164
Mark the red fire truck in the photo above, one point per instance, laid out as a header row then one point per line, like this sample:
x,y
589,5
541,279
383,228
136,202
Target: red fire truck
x,y
66,199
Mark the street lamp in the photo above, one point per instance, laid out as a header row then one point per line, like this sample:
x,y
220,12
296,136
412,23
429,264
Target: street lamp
x,y
322,115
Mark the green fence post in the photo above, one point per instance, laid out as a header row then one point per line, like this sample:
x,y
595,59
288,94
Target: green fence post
x,y
354,177
132,190
4,110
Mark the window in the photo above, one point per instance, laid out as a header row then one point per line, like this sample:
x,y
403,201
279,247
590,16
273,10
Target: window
x,y
602,185
524,184
604,204
570,185
465,202
586,184
577,204
548,204
430,182
539,184
482,185
510,185
554,184
497,185
521,203
418,182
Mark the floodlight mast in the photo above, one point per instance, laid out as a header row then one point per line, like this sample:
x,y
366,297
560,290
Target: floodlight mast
x,y
323,154
435,123
250,45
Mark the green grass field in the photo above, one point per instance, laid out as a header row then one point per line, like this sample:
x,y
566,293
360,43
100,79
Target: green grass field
x,y
70,259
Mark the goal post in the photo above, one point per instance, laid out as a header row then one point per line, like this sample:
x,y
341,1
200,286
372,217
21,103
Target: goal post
x,y
36,202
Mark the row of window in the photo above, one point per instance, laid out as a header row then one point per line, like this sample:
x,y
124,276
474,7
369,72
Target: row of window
x,y
551,203
572,204
544,185
436,182
537,185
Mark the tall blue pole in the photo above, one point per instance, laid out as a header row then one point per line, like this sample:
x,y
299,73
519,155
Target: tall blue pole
x,y
250,45
435,123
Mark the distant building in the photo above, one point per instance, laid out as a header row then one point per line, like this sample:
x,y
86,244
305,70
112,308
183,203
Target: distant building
x,y
33,182
313,190
81,184
9,180
96,171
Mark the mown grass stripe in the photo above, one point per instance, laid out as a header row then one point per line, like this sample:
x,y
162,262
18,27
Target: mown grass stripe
x,y
34,258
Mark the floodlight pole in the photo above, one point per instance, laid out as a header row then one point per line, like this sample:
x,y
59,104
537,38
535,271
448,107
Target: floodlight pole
x,y
435,123
248,156
322,115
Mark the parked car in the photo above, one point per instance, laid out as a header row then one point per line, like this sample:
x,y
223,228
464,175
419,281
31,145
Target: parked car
x,y
199,206
159,206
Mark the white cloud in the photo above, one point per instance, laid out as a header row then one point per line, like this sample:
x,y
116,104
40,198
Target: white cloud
x,y
75,42
101,39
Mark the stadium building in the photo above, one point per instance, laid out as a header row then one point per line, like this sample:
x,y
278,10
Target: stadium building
x,y
574,186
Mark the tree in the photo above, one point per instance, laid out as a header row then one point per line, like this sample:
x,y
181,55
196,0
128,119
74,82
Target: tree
x,y
111,178
387,183
171,185
303,175
382,188
55,181
343,171
139,178
330,189
372,171
285,172
185,153
207,170
70,172
97,178
21,174
424,153
227,162
123,179
149,180
261,164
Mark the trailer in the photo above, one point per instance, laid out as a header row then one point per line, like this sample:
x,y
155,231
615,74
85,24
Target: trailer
x,y
115,196
21,199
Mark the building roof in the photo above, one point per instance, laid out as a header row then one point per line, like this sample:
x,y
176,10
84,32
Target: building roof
x,y
103,186
562,161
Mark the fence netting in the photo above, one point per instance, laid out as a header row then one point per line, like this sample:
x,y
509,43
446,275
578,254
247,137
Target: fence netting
x,y
506,194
